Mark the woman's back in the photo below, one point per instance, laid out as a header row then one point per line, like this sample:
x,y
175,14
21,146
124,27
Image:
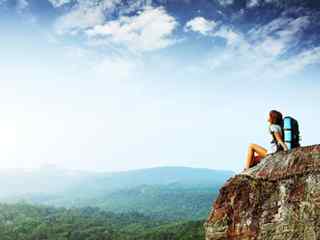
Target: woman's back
x,y
274,128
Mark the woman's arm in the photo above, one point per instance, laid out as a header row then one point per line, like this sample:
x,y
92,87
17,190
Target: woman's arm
x,y
279,140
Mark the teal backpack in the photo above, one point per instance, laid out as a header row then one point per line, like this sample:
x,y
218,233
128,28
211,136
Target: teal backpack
x,y
291,132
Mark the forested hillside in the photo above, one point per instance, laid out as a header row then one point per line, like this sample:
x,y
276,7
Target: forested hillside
x,y
172,193
28,222
167,202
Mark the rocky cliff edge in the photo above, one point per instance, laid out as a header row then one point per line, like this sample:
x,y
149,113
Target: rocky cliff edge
x,y
277,199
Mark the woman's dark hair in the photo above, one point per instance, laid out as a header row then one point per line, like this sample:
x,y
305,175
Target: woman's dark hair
x,y
276,117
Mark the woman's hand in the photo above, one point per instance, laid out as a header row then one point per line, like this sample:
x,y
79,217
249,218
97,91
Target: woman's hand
x,y
285,147
278,137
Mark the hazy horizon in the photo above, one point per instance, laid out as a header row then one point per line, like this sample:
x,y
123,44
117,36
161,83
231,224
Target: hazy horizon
x,y
59,168
113,85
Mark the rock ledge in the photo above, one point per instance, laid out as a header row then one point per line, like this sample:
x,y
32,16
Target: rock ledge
x,y
277,199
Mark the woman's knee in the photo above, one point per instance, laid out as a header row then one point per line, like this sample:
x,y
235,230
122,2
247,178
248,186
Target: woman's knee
x,y
251,146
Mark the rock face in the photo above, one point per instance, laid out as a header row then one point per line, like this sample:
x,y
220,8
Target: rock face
x,y
277,199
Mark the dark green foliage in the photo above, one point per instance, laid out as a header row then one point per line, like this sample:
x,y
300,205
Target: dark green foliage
x,y
183,231
28,222
153,204
172,201
168,202
175,193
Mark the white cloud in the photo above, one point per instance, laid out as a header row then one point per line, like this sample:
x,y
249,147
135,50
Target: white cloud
x,y
279,35
113,68
228,34
271,47
297,63
22,8
225,2
21,5
151,29
281,27
252,3
59,3
212,28
84,15
201,25
133,5
262,52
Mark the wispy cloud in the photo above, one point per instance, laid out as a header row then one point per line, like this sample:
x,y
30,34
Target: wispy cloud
x,y
19,5
212,28
109,69
201,25
226,2
297,63
265,50
22,5
84,14
228,34
279,35
151,29
252,3
59,3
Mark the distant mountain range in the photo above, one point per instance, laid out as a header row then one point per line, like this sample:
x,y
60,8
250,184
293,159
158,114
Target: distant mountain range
x,y
52,180
170,192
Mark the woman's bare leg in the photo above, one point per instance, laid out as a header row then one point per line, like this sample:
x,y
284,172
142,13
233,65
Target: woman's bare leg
x,y
254,148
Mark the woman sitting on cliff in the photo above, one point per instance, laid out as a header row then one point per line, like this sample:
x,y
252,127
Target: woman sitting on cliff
x,y
277,144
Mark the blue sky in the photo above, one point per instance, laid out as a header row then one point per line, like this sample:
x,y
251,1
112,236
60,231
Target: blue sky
x,y
115,85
